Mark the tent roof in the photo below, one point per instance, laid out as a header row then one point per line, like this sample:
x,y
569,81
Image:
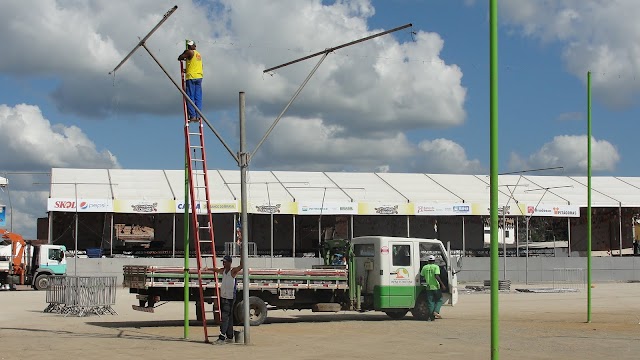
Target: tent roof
x,y
295,186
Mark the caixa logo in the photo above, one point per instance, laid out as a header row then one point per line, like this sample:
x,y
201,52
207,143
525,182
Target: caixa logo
x,y
64,204
181,206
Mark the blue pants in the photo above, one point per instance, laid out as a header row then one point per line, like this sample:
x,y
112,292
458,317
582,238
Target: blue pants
x,y
226,325
434,302
194,91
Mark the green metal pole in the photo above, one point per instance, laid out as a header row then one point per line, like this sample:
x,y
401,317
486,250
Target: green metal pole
x,y
493,155
588,196
186,248
186,233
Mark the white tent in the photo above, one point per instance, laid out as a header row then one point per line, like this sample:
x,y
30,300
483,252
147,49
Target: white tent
x,y
360,193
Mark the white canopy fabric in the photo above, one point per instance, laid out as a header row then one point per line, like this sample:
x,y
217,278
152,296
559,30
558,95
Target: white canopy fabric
x,y
293,190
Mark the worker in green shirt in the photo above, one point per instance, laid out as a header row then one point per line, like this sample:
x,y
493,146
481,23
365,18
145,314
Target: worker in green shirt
x,y
435,287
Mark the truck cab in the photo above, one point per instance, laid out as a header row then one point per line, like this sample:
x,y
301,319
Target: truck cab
x,y
387,274
22,263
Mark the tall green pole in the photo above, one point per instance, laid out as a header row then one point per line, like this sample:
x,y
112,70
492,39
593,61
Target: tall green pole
x,y
186,225
493,155
588,196
186,247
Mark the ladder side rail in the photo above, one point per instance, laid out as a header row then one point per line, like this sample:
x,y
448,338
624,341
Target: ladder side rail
x,y
209,215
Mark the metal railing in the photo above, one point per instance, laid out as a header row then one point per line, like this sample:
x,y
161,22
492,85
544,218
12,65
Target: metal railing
x,y
81,295
569,279
233,249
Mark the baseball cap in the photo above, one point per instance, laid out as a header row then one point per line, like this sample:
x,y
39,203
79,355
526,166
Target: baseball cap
x,y
227,258
190,42
431,258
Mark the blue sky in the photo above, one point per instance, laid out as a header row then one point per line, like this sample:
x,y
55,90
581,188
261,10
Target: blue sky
x,y
401,103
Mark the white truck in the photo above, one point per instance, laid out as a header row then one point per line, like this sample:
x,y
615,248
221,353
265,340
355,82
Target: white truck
x,y
382,274
22,263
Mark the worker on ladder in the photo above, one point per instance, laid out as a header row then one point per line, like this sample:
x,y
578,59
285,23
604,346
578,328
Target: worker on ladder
x,y
193,78
227,297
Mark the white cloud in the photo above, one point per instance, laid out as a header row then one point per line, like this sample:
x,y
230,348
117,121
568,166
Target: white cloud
x,y
570,152
597,36
446,156
370,85
30,143
310,144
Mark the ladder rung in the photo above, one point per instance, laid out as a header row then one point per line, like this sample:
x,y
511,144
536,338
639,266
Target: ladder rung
x,y
200,187
196,146
197,160
194,133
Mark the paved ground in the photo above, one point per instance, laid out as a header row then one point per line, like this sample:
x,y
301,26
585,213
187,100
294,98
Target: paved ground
x,y
532,326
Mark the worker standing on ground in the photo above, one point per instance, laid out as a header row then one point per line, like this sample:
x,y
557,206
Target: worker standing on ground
x,y
435,287
193,78
227,298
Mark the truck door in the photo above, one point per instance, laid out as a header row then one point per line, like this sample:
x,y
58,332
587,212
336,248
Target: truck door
x,y
398,277
52,257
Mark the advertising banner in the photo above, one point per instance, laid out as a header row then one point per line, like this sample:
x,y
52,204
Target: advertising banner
x,y
273,208
553,210
3,216
216,207
83,205
328,208
385,208
144,206
440,209
512,209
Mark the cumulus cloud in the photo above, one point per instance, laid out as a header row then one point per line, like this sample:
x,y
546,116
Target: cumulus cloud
x,y
570,152
446,156
30,144
373,85
28,141
312,145
598,36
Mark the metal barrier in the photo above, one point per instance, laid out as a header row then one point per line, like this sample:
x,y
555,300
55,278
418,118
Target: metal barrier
x,y
81,295
569,279
233,249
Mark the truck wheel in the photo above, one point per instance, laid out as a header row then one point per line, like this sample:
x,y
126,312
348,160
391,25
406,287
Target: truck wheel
x,y
420,311
257,311
396,314
42,282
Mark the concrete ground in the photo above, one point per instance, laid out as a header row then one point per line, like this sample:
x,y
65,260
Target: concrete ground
x,y
532,326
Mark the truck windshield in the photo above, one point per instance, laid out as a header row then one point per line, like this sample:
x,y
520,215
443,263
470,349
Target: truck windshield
x,y
364,250
434,249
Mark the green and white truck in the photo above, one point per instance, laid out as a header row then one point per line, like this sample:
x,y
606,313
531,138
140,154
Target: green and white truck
x,y
382,274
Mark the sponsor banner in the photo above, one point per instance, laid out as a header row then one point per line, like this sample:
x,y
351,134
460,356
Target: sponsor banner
x,y
553,210
442,209
216,207
83,205
3,216
273,208
512,209
331,208
144,206
385,209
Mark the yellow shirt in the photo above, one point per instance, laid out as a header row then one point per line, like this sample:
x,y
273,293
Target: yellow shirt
x,y
194,67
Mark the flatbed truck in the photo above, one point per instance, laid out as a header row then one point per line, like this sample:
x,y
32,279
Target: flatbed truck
x,y
382,274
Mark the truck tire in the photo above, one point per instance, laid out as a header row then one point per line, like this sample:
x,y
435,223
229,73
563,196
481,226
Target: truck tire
x,y
420,311
396,314
41,282
257,311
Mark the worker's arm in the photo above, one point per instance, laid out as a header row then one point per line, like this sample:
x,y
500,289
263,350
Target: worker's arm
x,y
237,269
442,286
186,55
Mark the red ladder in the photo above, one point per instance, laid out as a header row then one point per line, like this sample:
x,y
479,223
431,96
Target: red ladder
x,y
199,198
